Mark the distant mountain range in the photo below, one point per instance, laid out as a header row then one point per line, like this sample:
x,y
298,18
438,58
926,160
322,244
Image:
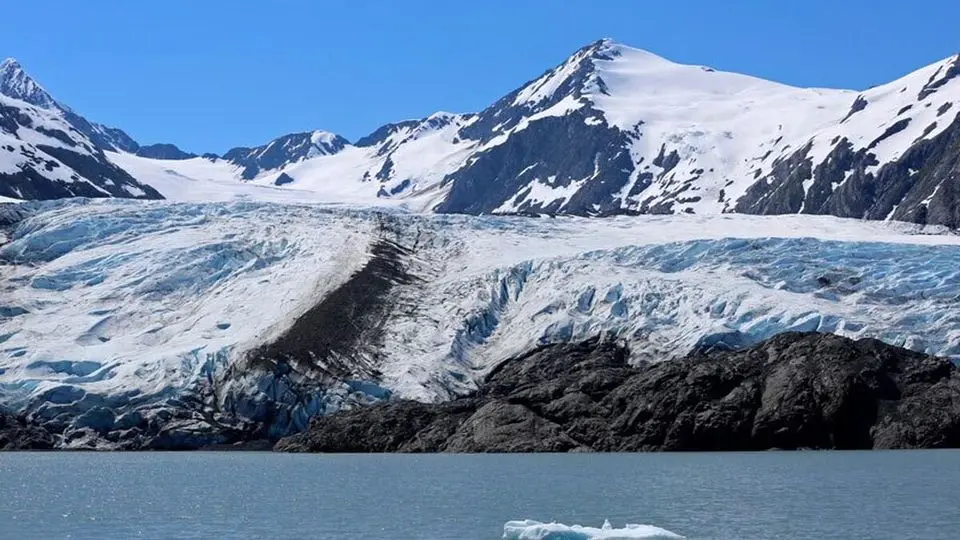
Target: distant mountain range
x,y
611,130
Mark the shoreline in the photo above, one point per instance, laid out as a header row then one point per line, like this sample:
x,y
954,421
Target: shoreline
x,y
793,392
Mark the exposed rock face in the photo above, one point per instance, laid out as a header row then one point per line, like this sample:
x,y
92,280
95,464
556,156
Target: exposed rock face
x,y
920,187
568,148
17,434
793,391
163,151
55,160
284,151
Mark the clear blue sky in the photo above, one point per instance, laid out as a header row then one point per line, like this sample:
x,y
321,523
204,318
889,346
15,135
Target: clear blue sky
x,y
210,75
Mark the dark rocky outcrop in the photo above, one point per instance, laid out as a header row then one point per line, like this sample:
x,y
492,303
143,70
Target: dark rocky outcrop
x,y
556,152
163,151
283,180
793,391
18,434
859,104
921,186
937,81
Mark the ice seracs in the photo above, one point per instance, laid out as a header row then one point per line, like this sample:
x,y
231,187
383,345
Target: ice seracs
x,y
151,310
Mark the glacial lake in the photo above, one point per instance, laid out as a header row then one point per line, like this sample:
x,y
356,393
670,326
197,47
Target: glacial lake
x,y
744,496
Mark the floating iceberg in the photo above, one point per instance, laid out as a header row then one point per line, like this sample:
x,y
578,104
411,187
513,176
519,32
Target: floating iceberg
x,y
535,530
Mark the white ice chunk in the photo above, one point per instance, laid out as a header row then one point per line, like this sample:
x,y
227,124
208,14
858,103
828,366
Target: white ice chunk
x,y
535,530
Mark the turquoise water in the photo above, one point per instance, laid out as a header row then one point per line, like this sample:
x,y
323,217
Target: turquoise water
x,y
763,496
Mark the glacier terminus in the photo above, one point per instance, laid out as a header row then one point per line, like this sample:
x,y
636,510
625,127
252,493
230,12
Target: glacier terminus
x,y
177,325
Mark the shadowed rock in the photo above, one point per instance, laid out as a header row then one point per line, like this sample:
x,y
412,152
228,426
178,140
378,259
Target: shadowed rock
x,y
792,391
17,434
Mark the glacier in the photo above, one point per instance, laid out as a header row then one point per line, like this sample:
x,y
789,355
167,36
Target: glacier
x,y
176,325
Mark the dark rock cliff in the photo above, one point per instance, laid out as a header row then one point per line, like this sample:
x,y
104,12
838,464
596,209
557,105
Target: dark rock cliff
x,y
793,391
18,434
923,186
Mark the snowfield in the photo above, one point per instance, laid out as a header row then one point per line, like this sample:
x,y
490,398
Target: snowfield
x,y
113,311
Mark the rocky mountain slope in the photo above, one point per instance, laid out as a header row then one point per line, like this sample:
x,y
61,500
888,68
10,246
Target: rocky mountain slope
x,y
612,130
616,130
42,156
792,391
47,151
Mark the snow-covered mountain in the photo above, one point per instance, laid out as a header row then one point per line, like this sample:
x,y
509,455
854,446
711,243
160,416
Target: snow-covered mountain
x,y
285,151
43,156
14,82
17,84
50,151
617,130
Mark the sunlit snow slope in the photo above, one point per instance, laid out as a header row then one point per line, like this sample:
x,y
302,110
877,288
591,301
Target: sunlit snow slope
x,y
190,320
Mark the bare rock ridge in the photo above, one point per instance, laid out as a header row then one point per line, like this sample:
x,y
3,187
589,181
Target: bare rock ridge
x,y
18,434
794,391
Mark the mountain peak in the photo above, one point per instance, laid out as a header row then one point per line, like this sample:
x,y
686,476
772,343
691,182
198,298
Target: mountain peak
x,y
602,43
582,72
327,142
16,83
9,64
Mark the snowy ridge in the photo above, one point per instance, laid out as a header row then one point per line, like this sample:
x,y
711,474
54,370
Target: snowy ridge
x,y
138,308
915,100
285,151
410,163
719,124
42,155
610,130
41,126
15,82
666,138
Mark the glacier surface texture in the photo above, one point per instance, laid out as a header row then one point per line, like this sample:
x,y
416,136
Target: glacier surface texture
x,y
184,324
